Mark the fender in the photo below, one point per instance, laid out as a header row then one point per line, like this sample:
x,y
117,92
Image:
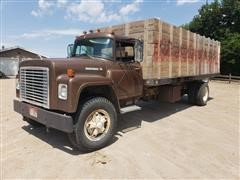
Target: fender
x,y
80,82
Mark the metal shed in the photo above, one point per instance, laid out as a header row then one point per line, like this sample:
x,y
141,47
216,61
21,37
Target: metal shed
x,y
10,58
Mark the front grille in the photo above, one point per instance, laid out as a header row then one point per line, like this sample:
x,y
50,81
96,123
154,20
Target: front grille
x,y
34,85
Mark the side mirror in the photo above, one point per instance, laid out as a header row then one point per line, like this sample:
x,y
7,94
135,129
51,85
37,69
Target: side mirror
x,y
138,51
69,50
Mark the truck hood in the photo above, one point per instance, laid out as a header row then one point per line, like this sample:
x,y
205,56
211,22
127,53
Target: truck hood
x,y
86,69
59,66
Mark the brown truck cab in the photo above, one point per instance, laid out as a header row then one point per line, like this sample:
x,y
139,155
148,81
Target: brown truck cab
x,y
82,94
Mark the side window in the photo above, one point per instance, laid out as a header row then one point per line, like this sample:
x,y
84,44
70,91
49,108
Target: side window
x,y
124,51
138,51
107,52
78,50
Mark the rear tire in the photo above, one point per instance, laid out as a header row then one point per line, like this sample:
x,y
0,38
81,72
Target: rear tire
x,y
192,94
202,94
198,93
95,126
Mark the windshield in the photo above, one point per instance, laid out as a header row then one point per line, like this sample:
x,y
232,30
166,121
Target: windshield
x,y
94,47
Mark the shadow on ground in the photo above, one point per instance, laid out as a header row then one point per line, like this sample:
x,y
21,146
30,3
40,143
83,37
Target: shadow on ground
x,y
128,121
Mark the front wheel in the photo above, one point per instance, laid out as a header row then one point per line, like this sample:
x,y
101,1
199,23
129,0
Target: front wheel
x,y
95,126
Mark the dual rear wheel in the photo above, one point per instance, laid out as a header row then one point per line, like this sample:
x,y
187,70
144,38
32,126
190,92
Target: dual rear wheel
x,y
198,93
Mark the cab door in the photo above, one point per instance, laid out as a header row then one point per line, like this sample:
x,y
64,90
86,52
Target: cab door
x,y
126,74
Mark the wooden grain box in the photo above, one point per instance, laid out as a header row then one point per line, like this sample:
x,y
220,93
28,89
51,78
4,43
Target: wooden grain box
x,y
171,51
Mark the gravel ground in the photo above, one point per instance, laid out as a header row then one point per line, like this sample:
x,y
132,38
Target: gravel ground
x,y
156,140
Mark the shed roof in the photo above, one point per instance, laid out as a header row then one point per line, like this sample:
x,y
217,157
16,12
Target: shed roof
x,y
5,50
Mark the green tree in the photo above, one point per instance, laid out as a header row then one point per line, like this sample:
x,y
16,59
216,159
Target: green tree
x,y
220,20
230,54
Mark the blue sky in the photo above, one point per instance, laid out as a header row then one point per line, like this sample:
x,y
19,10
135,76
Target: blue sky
x,y
47,26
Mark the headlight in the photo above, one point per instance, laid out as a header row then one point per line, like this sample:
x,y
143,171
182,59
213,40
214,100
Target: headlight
x,y
62,91
17,84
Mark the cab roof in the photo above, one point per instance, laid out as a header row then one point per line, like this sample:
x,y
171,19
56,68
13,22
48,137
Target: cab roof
x,y
107,35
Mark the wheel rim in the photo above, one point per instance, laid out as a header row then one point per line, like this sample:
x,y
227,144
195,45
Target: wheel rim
x,y
97,125
205,97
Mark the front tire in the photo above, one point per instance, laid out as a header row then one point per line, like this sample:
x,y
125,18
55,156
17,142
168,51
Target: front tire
x,y
95,126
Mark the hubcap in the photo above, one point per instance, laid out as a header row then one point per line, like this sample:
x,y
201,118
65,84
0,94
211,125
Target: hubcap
x,y
97,125
205,97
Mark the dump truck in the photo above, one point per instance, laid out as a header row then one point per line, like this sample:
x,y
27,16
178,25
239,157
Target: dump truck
x,y
110,68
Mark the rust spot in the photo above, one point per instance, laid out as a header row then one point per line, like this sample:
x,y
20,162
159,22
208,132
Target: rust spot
x,y
165,49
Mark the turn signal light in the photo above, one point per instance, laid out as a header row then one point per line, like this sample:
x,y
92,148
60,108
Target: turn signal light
x,y
70,72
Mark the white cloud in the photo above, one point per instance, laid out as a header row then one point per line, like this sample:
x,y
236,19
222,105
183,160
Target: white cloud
x,y
47,7
85,10
96,11
49,33
44,4
35,13
90,11
62,3
182,2
93,11
130,8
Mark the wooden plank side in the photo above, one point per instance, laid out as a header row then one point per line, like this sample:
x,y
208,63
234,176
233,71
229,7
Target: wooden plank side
x,y
187,52
119,29
210,56
205,55
106,29
175,53
158,49
216,58
195,53
184,52
200,54
170,51
136,27
137,35
180,56
147,62
153,36
153,46
156,58
197,59
191,51
165,50
153,24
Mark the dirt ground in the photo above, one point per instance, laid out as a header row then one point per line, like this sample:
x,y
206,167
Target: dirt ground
x,y
154,140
